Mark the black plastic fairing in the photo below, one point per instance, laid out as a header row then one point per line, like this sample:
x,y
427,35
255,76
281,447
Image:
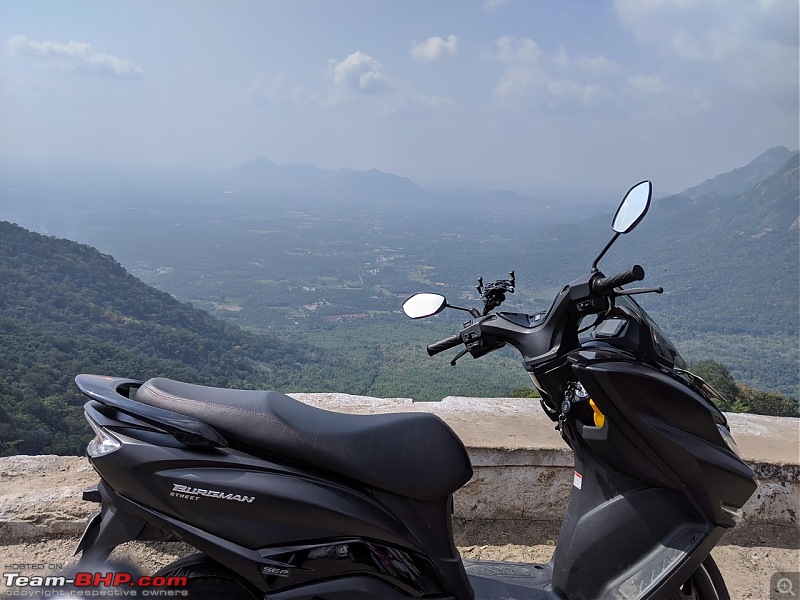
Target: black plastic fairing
x,y
229,493
226,503
657,467
119,422
430,523
308,563
313,565
185,429
674,429
612,526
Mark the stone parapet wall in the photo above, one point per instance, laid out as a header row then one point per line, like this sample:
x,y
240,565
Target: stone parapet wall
x,y
522,469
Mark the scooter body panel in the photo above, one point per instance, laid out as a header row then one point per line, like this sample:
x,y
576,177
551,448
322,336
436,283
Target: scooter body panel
x,y
254,502
654,485
280,526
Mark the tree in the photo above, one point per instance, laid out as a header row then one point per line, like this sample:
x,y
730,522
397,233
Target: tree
x,y
717,376
760,402
742,398
524,393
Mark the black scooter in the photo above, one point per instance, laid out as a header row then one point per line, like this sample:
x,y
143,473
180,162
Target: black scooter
x,y
285,501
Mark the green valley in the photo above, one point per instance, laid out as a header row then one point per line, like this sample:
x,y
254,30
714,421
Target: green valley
x,y
259,284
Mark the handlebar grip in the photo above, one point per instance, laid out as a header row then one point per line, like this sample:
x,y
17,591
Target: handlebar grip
x,y
445,344
604,285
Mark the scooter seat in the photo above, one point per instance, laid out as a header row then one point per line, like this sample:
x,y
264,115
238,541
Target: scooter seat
x,y
412,454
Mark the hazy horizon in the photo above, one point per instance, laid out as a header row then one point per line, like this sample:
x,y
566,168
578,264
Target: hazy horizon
x,y
91,177
498,94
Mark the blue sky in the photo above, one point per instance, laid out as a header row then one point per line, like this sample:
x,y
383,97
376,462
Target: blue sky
x,y
535,96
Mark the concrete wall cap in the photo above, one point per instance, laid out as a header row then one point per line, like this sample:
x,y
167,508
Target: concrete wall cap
x,y
520,423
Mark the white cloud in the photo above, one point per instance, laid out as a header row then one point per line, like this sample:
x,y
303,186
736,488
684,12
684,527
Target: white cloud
x,y
702,101
278,90
598,65
361,80
75,56
518,79
555,80
709,29
357,81
434,48
568,91
512,50
359,73
647,85
748,44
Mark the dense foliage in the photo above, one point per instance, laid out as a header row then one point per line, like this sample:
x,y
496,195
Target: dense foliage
x,y
742,398
67,309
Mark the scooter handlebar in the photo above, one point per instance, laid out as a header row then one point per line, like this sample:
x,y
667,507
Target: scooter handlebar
x,y
445,344
604,285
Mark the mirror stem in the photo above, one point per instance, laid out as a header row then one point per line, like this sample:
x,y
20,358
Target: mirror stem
x,y
472,311
603,252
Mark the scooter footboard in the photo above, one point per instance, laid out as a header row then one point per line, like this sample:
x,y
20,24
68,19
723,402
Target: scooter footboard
x,y
492,579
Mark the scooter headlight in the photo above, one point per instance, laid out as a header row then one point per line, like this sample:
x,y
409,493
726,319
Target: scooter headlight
x,y
728,439
103,442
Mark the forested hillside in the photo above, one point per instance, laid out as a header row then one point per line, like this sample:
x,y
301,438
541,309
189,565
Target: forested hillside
x,y
730,266
742,178
326,281
65,309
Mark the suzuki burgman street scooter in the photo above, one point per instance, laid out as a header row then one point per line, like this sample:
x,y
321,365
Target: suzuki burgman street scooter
x,y
284,501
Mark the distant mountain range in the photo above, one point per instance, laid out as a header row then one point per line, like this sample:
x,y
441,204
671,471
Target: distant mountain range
x,y
373,188
733,182
261,174
743,200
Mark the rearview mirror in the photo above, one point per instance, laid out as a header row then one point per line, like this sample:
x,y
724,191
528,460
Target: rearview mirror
x,y
633,207
424,305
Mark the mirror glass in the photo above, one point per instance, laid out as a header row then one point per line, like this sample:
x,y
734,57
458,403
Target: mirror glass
x,y
424,305
633,207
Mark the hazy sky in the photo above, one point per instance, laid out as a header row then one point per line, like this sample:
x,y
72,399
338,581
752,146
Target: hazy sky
x,y
520,94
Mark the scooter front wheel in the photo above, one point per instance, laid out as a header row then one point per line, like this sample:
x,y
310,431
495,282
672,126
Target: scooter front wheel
x,y
208,580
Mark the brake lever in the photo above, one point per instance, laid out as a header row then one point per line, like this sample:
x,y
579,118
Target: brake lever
x,y
459,355
634,291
